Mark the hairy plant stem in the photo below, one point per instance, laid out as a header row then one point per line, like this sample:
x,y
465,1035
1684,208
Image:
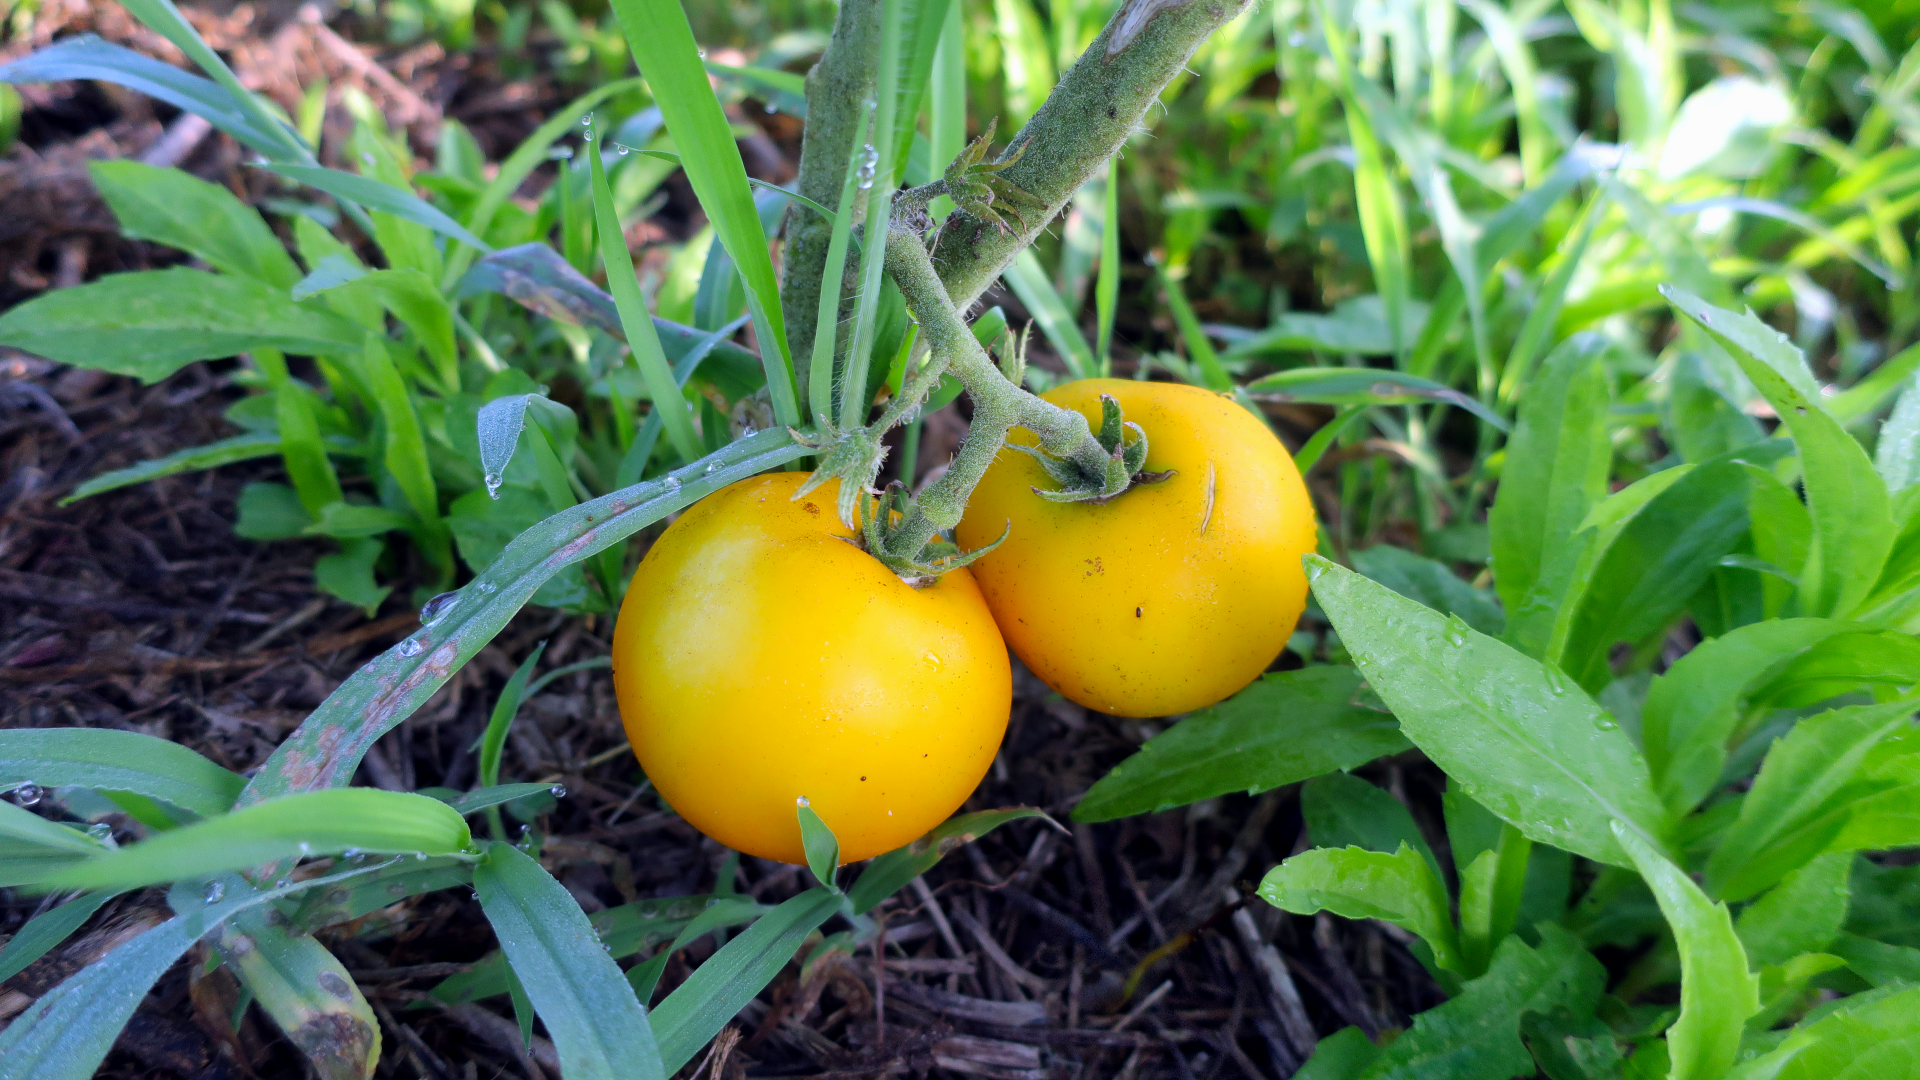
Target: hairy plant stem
x,y
998,405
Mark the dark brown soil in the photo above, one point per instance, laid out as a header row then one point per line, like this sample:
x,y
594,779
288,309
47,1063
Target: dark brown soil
x,y
1121,950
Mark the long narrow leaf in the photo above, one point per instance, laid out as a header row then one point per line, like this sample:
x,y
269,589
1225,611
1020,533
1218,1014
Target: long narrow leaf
x,y
597,1025
107,760
662,42
225,452
1029,282
385,198
46,930
880,177
328,747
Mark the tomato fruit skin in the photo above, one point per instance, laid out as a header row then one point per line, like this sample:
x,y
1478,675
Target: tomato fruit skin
x,y
761,657
1169,597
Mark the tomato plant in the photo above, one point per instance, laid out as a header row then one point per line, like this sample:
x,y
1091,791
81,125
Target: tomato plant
x,y
1170,596
762,657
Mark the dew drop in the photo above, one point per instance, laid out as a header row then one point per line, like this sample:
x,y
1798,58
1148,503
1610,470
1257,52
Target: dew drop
x,y
100,830
802,801
932,661
494,480
1606,722
1456,631
623,151
558,791
485,586
587,120
748,430
283,883
436,607
351,853
411,647
420,856
306,848
28,794
213,892
673,483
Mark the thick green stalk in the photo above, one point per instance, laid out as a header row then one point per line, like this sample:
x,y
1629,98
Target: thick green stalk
x,y
1099,104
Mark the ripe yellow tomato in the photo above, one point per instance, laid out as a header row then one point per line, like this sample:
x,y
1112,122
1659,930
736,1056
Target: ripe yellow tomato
x,y
1171,596
761,657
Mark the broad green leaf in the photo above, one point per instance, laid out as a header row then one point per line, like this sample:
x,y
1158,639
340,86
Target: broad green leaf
x,y
347,574
1433,584
1283,729
151,323
20,824
311,823
1782,535
1029,282
109,760
1799,802
823,848
718,989
888,874
1692,710
1802,914
180,210
1476,1035
1884,899
1518,735
1871,1036
88,57
662,43
1880,661
598,1028
1644,578
1342,810
376,195
329,745
225,452
1555,471
1717,994
1889,817
406,446
1876,961
1852,516
410,295
1363,386
1353,882
46,930
1897,454
1492,889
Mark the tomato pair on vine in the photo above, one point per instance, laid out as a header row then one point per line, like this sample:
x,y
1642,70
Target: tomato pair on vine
x,y
762,656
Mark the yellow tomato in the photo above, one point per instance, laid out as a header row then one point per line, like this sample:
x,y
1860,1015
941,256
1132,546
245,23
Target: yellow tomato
x,y
762,657
1171,596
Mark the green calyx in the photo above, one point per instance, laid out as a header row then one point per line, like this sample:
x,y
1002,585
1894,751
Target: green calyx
x,y
1121,470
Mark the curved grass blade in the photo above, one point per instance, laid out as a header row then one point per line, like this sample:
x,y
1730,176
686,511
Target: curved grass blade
x,y
1029,282
385,198
881,180
636,323
46,930
328,747
827,326
721,987
108,760
473,802
598,1027
308,823
662,42
1364,386
89,57
890,873
194,459
722,912
306,990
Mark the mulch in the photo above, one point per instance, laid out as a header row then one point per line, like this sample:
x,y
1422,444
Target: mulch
x,y
1129,949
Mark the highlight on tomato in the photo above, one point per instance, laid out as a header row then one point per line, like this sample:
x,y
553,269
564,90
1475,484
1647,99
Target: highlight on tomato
x,y
1170,596
762,656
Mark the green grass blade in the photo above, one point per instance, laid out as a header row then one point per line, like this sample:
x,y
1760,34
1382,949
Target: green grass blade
x,y
1199,350
1029,282
309,823
598,1027
165,19
406,446
494,739
106,760
1383,217
1541,319
827,324
375,195
46,930
194,459
880,181
662,43
947,119
386,691
721,987
1106,286
635,320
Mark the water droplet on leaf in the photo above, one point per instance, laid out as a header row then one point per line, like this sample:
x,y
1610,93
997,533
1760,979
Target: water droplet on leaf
x,y
436,607
411,647
213,892
28,794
